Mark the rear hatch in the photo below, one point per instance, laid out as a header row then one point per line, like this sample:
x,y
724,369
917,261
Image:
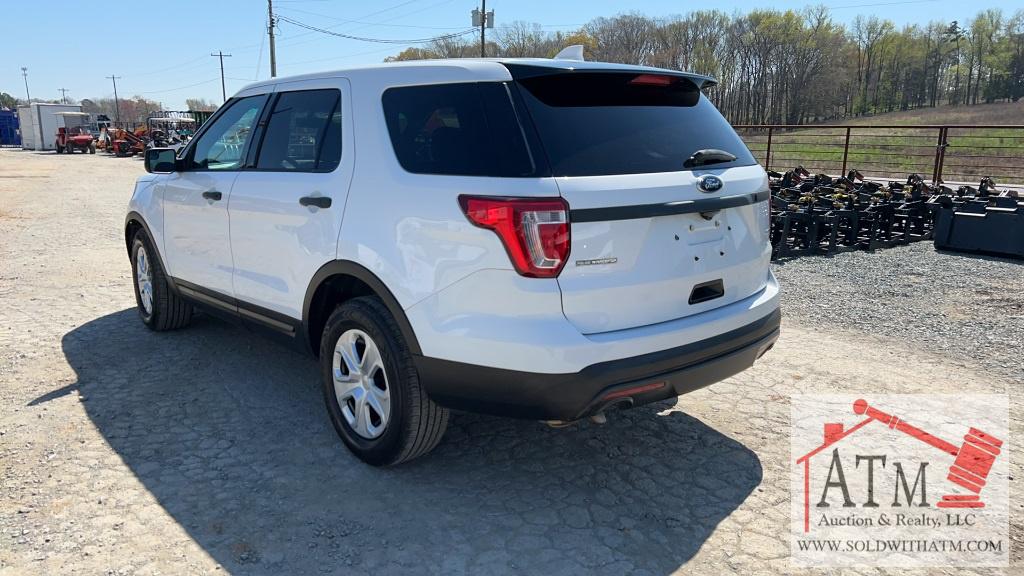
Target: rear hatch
x,y
669,210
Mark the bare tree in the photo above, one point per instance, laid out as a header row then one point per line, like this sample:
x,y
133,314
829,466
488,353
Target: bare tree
x,y
793,66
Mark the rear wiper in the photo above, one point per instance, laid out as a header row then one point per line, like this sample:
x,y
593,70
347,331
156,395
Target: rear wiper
x,y
707,157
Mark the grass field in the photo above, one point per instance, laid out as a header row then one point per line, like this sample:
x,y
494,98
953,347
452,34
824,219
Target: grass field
x,y
895,152
996,113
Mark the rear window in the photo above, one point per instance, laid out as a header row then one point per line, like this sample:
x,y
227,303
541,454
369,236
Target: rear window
x,y
598,123
466,129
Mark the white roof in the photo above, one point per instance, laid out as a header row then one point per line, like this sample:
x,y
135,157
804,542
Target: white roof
x,y
461,69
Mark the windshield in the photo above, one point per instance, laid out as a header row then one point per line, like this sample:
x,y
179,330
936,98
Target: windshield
x,y
599,123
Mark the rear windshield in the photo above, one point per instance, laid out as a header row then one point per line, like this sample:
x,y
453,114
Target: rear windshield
x,y
464,129
598,123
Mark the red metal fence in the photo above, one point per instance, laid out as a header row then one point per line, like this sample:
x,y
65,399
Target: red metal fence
x,y
950,153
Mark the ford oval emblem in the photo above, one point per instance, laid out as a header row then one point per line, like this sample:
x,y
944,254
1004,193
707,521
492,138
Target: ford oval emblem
x,y
709,183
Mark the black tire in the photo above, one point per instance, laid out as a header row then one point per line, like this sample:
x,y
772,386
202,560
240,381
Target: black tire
x,y
416,424
169,311
92,147
60,149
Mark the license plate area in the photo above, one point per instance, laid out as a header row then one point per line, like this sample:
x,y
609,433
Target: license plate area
x,y
700,230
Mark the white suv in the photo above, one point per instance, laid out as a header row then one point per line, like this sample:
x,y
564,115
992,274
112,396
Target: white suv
x,y
534,238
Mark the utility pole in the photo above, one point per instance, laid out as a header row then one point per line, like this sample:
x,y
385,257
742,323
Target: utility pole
x,y
24,74
270,28
484,20
223,91
117,107
63,95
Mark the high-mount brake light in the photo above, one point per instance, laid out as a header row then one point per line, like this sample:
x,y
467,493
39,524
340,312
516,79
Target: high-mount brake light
x,y
652,80
534,231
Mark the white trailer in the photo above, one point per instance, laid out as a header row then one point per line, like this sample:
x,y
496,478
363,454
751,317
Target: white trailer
x,y
27,127
39,122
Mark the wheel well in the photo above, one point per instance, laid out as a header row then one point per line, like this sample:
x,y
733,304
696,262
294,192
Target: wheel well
x,y
329,294
130,229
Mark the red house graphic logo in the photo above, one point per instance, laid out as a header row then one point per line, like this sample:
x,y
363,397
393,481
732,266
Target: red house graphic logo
x,y
973,459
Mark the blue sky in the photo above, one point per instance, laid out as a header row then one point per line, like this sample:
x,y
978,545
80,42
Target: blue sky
x,y
163,53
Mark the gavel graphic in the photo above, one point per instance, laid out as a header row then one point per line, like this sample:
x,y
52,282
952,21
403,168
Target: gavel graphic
x,y
974,458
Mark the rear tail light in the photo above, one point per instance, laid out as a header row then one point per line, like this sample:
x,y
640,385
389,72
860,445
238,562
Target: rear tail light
x,y
535,231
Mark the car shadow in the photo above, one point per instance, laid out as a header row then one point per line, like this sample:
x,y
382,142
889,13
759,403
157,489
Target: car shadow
x,y
228,432
981,256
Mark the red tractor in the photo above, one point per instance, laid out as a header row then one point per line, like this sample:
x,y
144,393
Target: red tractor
x,y
75,134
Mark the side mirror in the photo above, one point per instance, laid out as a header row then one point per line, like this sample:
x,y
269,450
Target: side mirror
x,y
161,160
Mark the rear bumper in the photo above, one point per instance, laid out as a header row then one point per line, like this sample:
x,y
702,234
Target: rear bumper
x,y
630,381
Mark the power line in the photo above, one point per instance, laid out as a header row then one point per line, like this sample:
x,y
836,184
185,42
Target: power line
x,y
361,27
399,16
345,57
381,11
259,57
180,87
63,95
350,21
174,67
375,40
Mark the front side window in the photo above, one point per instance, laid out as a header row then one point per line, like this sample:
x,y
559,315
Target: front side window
x,y
466,129
222,146
303,133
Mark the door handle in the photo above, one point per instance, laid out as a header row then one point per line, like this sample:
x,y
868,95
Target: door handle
x,y
318,201
212,195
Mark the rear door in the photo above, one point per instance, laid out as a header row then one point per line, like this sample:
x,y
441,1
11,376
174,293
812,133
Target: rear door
x,y
653,236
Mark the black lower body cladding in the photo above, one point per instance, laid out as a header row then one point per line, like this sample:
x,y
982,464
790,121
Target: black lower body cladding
x,y
637,380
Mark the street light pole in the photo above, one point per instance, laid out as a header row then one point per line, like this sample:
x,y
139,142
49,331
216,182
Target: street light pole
x,y
223,91
24,74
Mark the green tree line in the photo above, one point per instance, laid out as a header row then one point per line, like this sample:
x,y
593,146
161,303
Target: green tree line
x,y
794,67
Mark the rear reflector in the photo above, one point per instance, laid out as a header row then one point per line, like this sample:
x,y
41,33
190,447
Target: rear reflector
x,y
534,231
633,391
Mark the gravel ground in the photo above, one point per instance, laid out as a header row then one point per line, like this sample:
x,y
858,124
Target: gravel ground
x,y
968,307
208,450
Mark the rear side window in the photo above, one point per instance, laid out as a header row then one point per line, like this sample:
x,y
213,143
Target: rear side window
x,y
599,123
467,129
303,133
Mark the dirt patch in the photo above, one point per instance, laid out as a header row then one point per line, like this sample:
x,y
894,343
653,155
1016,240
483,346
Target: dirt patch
x,y
208,449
